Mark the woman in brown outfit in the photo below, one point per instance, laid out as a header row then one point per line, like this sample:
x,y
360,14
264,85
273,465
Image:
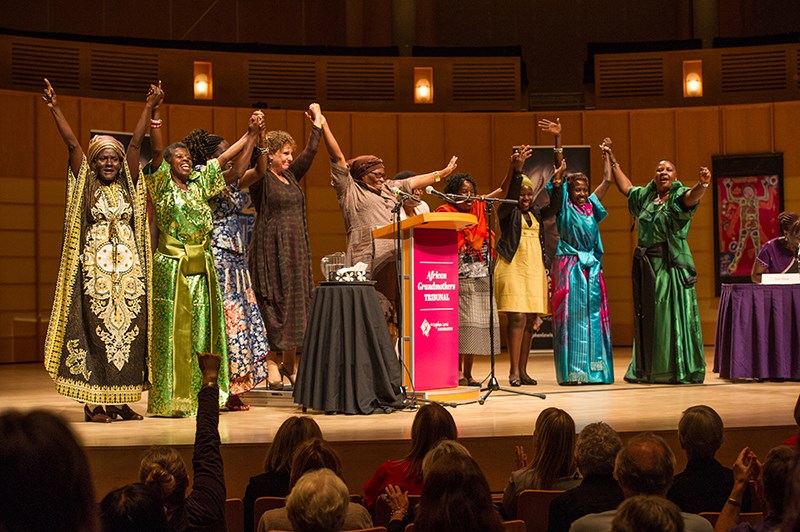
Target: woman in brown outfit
x,y
280,255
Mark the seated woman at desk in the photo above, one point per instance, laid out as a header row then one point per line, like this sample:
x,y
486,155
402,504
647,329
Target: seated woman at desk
x,y
779,255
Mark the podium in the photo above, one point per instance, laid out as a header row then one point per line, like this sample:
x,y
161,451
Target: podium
x,y
430,296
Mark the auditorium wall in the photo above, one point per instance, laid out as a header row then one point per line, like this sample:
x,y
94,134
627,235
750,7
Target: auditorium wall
x,y
33,168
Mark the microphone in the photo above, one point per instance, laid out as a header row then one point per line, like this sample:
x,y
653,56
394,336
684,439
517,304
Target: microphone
x,y
397,192
432,191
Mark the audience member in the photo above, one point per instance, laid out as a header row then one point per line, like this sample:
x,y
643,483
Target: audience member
x,y
595,451
312,455
164,469
791,507
45,483
647,513
133,508
771,480
401,512
432,424
318,502
705,483
456,498
552,466
274,481
644,466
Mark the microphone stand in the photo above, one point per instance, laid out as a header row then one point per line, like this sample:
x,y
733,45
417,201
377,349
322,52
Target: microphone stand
x,y
493,385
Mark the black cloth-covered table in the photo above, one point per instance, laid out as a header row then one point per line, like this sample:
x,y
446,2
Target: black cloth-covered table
x,y
348,363
758,332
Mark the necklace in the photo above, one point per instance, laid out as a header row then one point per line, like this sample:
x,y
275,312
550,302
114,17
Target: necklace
x,y
661,200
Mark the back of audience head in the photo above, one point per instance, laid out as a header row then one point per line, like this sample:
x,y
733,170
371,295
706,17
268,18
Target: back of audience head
x,y
318,502
432,423
45,483
791,507
700,432
553,447
596,449
645,466
132,508
775,477
164,469
314,454
647,513
292,432
442,449
456,497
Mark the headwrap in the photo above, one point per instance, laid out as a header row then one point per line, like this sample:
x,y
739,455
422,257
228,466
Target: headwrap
x,y
786,219
526,182
362,165
100,143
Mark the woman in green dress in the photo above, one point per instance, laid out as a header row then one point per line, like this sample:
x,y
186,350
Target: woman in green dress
x,y
187,304
668,340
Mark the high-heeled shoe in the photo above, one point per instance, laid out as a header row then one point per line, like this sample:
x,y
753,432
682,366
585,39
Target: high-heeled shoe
x,y
285,373
126,413
235,404
98,415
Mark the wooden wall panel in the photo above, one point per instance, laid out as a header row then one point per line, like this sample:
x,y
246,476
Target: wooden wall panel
x,y
468,136
653,138
421,142
105,115
374,134
17,146
51,155
508,130
747,129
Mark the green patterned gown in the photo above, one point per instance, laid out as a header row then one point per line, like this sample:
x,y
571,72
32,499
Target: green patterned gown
x,y
187,305
668,343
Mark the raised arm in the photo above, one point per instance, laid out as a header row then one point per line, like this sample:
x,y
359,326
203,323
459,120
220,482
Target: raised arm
x,y
302,163
423,180
334,151
620,179
156,139
555,129
133,154
696,193
64,129
515,164
241,153
602,188
260,170
745,468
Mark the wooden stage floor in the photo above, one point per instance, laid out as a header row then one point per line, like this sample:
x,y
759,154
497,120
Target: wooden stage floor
x,y
758,413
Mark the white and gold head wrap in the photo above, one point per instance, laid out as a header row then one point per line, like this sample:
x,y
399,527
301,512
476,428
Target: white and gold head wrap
x,y
100,143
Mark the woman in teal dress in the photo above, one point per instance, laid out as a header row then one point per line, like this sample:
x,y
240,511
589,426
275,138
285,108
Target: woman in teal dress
x,y
581,325
668,340
187,305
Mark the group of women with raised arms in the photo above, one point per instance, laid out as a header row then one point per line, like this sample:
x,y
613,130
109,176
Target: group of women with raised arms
x,y
126,317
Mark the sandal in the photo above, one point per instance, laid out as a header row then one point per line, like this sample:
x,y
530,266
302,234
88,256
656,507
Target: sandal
x,y
514,382
235,404
528,381
463,382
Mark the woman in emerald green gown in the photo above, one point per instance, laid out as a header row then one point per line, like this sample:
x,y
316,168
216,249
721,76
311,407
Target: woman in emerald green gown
x,y
668,340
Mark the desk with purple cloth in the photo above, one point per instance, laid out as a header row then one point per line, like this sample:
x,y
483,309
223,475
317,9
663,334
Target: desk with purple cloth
x,y
348,363
758,332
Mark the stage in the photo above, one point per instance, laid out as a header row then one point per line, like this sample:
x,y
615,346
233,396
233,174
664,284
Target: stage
x,y
758,414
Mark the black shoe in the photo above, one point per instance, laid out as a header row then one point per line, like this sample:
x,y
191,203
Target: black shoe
x,y
514,382
275,386
126,413
528,381
98,415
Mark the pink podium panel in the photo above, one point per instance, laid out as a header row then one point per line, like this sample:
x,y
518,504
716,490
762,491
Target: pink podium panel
x,y
434,312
